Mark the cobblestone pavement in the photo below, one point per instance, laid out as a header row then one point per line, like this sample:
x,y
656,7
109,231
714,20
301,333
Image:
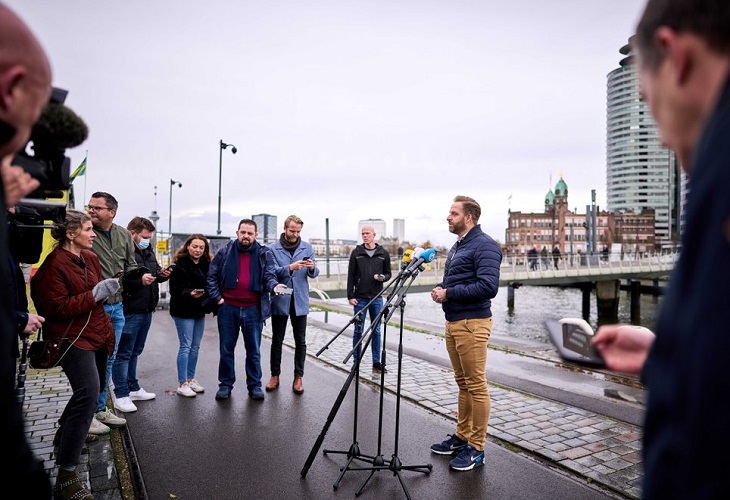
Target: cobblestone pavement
x,y
592,446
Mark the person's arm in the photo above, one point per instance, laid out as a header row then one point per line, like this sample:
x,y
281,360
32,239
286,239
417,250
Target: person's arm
x,y
387,269
351,277
624,347
214,291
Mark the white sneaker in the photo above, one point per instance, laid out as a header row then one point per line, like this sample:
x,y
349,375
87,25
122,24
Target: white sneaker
x,y
107,418
195,385
185,390
125,405
141,395
98,428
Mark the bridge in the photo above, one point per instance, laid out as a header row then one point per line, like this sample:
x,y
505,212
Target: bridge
x,y
588,272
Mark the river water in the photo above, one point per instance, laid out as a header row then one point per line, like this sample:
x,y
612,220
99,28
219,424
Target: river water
x,y
532,306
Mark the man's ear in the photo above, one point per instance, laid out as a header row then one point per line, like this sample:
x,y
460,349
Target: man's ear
x,y
678,50
9,81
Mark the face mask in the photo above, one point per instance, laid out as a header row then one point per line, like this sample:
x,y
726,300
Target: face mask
x,y
143,243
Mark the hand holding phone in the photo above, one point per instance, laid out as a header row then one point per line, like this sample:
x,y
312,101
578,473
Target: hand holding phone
x,y
572,338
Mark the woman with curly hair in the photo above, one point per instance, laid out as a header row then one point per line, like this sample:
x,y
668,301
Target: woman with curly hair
x,y
188,307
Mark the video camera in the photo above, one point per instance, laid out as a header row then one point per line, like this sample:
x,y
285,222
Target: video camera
x,y
57,129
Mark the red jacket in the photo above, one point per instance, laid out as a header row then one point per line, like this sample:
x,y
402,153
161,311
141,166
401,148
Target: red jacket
x,y
61,292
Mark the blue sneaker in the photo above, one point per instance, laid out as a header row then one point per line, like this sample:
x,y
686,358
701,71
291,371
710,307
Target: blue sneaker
x,y
467,459
256,393
223,393
451,446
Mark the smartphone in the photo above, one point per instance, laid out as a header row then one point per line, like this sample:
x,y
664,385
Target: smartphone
x,y
287,291
306,258
199,290
572,339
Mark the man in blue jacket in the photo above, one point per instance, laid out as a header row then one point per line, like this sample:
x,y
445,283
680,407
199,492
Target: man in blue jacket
x,y
682,50
295,265
471,281
240,279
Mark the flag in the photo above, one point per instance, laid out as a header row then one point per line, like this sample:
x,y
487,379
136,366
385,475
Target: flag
x,y
80,170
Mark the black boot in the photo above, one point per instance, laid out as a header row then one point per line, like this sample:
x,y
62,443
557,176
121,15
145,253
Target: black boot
x,y
70,487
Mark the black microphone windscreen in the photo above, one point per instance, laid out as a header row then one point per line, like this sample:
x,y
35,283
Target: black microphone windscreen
x,y
58,129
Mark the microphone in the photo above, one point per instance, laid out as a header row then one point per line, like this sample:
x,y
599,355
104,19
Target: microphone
x,y
406,258
421,256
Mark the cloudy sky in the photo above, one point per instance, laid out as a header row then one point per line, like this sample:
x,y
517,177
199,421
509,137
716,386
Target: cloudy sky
x,y
341,110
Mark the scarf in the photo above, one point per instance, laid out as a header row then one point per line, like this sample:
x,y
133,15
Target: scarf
x,y
231,270
289,247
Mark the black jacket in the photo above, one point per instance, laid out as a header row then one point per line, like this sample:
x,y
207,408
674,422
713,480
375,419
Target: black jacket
x,y
362,268
187,277
136,297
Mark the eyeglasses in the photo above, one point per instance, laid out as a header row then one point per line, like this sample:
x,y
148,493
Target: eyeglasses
x,y
89,208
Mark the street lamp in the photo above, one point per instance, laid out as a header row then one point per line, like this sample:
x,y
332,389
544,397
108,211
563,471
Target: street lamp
x,y
169,223
223,146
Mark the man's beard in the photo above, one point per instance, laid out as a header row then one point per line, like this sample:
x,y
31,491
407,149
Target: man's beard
x,y
457,228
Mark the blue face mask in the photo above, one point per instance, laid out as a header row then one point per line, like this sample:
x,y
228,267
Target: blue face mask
x,y
143,243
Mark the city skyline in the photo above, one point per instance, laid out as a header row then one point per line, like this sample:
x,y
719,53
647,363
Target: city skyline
x,y
339,111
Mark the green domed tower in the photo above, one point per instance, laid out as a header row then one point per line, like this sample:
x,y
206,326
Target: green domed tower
x,y
549,200
561,193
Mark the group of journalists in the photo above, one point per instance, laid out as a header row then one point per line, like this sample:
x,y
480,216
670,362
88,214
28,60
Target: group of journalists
x,y
86,291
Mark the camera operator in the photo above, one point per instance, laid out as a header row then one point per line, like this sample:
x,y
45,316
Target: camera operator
x,y
25,86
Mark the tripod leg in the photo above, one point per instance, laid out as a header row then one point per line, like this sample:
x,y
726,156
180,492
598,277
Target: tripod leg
x,y
330,419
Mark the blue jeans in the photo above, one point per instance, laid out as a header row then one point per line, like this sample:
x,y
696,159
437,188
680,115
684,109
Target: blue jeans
x,y
248,320
375,308
131,345
116,313
190,334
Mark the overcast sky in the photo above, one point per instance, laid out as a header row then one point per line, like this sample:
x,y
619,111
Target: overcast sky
x,y
340,109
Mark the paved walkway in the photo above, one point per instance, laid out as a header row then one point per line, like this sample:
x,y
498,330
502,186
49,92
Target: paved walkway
x,y
589,445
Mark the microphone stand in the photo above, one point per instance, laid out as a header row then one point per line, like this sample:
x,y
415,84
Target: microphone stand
x,y
353,453
379,463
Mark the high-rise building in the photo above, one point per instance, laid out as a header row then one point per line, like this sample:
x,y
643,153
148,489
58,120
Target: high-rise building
x,y
267,228
399,229
640,172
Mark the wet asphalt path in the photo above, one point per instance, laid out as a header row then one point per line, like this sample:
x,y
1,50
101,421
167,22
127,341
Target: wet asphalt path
x,y
199,448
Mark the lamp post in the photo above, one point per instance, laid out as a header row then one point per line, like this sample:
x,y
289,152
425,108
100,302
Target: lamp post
x,y
169,223
223,146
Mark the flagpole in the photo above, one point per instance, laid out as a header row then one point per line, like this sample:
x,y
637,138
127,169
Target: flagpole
x,y
86,158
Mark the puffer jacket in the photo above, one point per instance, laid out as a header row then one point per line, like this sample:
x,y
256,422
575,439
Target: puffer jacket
x,y
471,276
217,272
61,290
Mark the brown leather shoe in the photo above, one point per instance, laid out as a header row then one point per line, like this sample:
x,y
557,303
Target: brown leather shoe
x,y
298,387
273,383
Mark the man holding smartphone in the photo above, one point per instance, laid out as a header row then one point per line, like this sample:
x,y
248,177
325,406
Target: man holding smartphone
x,y
139,301
115,249
295,266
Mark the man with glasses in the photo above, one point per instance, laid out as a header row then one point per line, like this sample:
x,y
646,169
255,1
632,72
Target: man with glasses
x,y
115,249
